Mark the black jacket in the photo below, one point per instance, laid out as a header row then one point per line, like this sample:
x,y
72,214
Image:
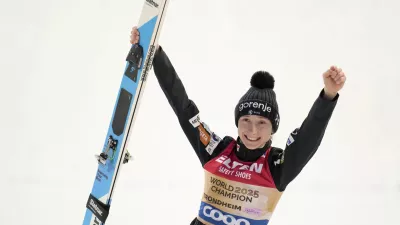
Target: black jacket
x,y
284,165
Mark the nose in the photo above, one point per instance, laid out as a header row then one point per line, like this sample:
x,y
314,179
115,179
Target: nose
x,y
253,128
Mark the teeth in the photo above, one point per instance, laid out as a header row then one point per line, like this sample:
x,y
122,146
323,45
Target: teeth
x,y
252,139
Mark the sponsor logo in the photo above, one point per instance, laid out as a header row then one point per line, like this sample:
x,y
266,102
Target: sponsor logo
x,y
151,2
95,207
255,105
100,175
253,211
215,140
96,221
149,62
204,135
222,218
290,140
280,160
277,120
195,121
227,162
206,127
99,209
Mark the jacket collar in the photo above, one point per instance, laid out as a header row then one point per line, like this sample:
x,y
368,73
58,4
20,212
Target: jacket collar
x,y
247,155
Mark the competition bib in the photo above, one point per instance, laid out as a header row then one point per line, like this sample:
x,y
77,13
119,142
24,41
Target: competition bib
x,y
237,192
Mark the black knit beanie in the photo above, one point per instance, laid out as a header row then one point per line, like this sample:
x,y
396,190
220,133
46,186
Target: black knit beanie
x,y
260,99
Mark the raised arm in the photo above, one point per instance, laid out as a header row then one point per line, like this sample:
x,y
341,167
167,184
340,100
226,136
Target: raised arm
x,y
172,85
304,141
205,143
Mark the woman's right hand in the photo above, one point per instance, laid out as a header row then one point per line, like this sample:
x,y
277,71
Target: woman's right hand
x,y
134,35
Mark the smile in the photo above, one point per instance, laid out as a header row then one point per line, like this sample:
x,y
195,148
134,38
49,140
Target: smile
x,y
252,139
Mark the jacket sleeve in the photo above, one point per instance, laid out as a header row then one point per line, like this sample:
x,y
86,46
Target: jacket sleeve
x,y
302,143
204,141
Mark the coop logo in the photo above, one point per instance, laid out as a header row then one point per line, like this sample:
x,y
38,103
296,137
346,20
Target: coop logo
x,y
151,2
221,218
255,105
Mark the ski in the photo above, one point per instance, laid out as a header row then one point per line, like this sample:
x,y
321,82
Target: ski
x,y
114,153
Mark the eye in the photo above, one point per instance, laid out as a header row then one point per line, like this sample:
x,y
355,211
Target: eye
x,y
245,119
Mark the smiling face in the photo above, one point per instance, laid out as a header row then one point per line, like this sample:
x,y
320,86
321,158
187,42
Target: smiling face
x,y
254,131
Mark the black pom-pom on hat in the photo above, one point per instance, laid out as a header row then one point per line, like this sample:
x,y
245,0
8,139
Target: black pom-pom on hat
x,y
258,98
262,80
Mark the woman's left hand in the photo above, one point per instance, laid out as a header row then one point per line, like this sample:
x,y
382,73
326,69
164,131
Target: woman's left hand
x,y
334,79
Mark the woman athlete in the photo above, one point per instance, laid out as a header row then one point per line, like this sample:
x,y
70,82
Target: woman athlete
x,y
246,176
